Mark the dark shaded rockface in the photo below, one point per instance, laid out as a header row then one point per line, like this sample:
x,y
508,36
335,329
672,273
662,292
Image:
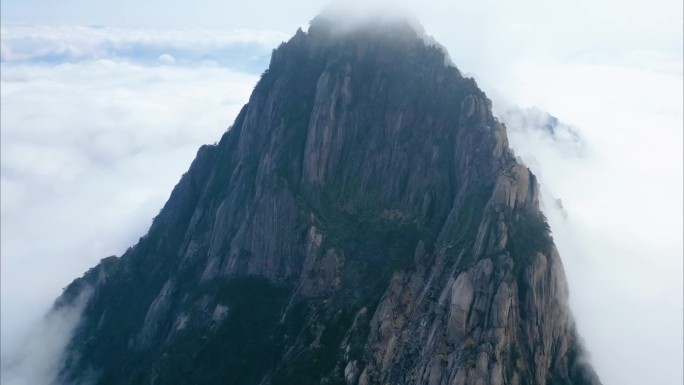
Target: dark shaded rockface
x,y
362,222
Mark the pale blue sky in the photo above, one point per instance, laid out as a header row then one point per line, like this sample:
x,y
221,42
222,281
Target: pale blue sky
x,y
171,13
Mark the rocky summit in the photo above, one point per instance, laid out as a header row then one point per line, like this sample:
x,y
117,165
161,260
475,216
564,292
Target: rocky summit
x,y
363,221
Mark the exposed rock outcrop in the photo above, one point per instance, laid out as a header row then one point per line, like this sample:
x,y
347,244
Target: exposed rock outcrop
x,y
362,222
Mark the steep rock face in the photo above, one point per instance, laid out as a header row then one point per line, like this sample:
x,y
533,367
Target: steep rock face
x,y
362,222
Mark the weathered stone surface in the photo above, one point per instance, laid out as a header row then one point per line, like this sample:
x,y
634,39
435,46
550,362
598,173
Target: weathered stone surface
x,y
461,299
157,310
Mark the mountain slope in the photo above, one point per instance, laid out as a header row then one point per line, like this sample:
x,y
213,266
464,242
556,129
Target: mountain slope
x,y
362,222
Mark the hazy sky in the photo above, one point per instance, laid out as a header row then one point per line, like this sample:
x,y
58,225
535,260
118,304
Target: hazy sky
x,y
104,105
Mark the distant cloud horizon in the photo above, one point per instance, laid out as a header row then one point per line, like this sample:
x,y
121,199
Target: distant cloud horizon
x,y
247,51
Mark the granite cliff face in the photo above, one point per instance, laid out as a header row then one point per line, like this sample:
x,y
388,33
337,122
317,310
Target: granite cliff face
x,y
362,222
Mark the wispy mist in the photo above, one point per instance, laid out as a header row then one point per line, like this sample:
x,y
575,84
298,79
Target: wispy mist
x,y
40,357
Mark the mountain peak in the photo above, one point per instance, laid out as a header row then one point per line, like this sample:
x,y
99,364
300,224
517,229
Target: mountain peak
x,y
385,21
362,222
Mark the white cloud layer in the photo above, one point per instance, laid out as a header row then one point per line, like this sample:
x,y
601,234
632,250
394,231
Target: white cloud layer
x,y
98,124
39,359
